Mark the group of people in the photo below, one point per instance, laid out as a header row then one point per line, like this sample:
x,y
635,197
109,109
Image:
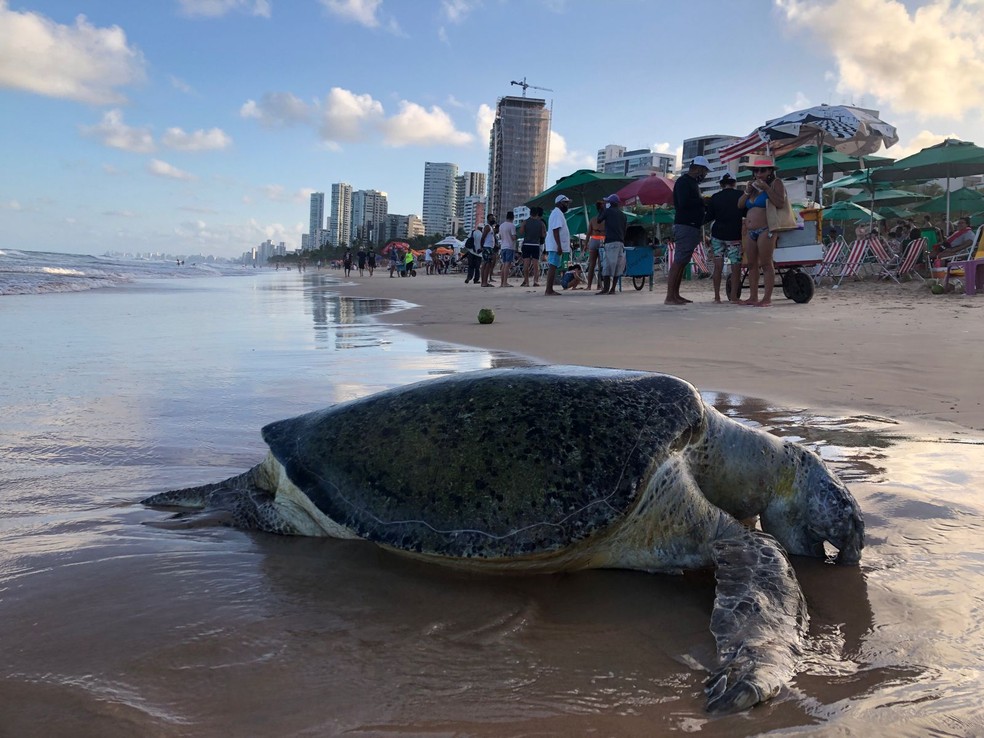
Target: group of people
x,y
739,226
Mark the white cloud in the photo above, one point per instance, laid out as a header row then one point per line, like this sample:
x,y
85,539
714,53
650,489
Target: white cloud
x,y
217,8
278,193
277,110
116,134
442,35
120,213
347,116
163,169
364,12
801,102
417,126
14,205
918,142
929,61
483,123
180,85
455,11
200,140
79,62
561,157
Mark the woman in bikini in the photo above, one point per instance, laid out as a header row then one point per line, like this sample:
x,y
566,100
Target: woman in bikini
x,y
760,242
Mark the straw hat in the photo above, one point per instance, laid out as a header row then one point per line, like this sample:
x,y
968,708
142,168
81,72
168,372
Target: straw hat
x,y
761,162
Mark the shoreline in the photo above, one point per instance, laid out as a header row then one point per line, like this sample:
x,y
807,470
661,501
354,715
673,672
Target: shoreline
x,y
894,351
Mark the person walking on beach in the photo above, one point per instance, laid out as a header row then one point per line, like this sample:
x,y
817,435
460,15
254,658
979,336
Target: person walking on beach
x,y
723,210
394,259
612,217
487,247
596,239
760,244
558,240
362,262
346,262
687,224
371,261
534,235
507,240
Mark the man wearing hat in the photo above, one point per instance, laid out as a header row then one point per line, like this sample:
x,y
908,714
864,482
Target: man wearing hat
x,y
687,224
723,210
558,240
613,264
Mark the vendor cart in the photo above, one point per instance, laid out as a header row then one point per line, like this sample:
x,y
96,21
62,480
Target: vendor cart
x,y
795,250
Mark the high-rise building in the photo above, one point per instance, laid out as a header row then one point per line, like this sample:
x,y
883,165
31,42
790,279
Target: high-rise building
x,y
607,154
518,147
439,196
640,163
468,184
369,211
403,227
473,212
340,220
709,146
316,223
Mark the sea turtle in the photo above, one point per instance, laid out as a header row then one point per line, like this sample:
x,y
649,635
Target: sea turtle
x,y
606,469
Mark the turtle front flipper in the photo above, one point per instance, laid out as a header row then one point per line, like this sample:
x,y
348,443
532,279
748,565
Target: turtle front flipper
x,y
759,621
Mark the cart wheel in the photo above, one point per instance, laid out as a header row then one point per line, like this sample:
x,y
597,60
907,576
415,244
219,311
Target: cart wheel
x,y
638,282
797,286
727,285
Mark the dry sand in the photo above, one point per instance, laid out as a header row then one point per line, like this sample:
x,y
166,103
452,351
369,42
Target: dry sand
x,y
872,347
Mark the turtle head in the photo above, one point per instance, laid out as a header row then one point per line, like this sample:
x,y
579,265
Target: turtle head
x,y
817,508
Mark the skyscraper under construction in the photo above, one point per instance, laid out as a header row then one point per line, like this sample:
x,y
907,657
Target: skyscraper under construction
x,y
517,152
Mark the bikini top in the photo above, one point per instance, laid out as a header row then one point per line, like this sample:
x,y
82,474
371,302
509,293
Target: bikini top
x,y
759,201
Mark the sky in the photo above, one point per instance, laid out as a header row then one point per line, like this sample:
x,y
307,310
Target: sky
x,y
202,126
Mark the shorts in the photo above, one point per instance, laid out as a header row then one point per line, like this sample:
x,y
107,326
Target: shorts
x,y
686,238
508,256
613,265
566,279
553,258
488,254
595,242
531,251
731,249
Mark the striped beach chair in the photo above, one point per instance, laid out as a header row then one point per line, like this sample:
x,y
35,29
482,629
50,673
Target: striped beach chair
x,y
832,257
668,248
855,258
885,262
699,260
914,248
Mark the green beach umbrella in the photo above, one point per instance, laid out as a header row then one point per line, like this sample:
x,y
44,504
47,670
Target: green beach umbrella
x,y
948,160
890,211
578,223
964,200
888,197
584,187
849,211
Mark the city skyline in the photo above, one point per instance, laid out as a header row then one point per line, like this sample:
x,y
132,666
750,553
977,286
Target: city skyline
x,y
203,126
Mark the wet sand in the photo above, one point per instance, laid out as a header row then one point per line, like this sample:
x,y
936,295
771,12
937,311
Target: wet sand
x,y
116,627
894,351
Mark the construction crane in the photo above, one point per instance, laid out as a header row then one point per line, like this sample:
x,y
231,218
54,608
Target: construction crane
x,y
524,84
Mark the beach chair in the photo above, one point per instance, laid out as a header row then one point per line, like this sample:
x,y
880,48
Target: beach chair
x,y
832,258
667,261
852,263
907,266
885,262
971,268
699,260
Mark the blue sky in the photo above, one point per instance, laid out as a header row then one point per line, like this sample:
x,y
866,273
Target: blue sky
x,y
191,126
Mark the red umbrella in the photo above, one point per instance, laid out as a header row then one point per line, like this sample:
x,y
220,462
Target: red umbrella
x,y
402,245
651,190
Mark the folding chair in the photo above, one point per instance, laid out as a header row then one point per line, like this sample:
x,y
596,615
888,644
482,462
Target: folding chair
x,y
699,260
884,261
669,248
855,257
908,266
832,257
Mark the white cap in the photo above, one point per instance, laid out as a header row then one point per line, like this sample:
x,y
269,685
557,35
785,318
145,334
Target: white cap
x,y
701,161
561,198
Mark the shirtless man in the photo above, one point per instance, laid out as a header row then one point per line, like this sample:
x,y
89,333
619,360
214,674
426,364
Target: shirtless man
x,y
596,238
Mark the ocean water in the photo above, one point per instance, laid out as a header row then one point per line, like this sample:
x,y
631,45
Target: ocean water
x,y
113,626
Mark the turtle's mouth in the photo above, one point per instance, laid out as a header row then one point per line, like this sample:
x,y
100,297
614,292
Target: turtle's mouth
x,y
848,544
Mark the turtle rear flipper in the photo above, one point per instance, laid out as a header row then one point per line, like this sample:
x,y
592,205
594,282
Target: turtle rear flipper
x,y
759,620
